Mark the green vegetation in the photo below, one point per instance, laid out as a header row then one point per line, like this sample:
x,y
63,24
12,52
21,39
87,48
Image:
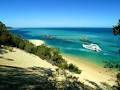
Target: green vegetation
x,y
37,78
116,31
46,53
112,64
73,68
117,86
118,81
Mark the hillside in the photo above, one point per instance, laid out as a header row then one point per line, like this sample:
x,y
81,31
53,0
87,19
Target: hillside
x,y
26,66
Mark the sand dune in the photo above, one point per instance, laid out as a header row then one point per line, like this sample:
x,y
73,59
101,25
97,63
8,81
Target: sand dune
x,y
20,58
90,71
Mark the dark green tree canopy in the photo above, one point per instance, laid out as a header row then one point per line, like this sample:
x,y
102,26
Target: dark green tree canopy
x,y
116,29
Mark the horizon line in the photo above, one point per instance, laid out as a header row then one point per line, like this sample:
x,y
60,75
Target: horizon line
x,y
60,27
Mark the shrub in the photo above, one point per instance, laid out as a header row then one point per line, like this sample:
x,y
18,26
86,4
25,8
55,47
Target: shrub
x,y
28,47
118,79
21,45
43,52
73,68
50,54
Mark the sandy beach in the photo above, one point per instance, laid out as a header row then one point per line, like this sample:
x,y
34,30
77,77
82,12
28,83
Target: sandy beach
x,y
90,71
20,58
36,42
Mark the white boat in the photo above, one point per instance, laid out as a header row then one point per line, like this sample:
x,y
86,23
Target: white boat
x,y
93,47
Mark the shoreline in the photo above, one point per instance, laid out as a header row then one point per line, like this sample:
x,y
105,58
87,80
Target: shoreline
x,y
36,42
90,70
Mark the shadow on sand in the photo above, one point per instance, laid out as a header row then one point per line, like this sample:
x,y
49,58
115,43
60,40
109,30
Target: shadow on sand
x,y
14,78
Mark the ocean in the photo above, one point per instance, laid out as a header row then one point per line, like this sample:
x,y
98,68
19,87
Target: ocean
x,y
68,40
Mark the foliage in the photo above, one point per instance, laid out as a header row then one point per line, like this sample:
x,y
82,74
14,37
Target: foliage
x,y
73,68
46,53
15,78
118,79
117,86
112,64
28,47
116,29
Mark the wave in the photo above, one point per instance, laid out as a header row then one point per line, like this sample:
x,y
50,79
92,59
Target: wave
x,y
111,53
77,49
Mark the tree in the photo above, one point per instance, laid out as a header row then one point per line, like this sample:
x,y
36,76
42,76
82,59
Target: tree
x,y
116,30
3,27
5,39
52,55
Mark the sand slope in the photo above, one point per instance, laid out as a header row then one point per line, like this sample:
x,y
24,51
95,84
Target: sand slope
x,y
20,58
92,72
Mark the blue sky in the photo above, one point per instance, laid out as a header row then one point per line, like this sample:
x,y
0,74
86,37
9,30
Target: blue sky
x,y
60,13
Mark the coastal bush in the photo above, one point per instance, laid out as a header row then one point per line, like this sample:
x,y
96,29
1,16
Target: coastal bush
x,y
118,79
73,68
117,86
64,65
5,38
116,31
112,64
43,52
57,59
46,53
15,78
21,45
28,47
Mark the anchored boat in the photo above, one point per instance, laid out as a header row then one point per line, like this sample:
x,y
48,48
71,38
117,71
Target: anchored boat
x,y
93,47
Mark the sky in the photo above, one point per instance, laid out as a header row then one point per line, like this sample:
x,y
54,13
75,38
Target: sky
x,y
60,13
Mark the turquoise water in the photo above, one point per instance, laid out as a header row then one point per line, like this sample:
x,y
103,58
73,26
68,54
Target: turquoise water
x,y
68,41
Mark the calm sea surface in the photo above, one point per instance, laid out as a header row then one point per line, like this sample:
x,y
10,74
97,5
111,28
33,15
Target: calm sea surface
x,y
68,41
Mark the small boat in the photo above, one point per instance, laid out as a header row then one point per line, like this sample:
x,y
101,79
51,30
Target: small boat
x,y
49,36
84,39
93,47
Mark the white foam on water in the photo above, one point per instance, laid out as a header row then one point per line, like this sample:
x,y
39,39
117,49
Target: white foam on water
x,y
78,49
